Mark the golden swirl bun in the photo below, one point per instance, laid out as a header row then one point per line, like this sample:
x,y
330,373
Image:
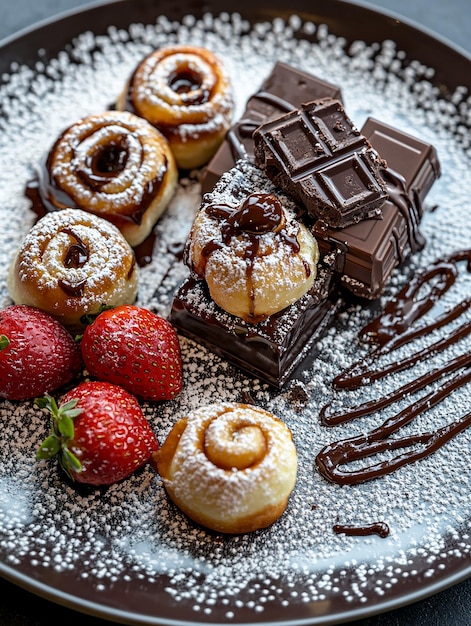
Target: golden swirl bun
x,y
256,258
186,93
71,263
115,165
230,467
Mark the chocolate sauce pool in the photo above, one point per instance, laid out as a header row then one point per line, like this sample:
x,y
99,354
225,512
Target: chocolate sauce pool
x,y
389,331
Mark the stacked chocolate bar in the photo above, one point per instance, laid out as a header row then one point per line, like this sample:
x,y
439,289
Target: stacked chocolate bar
x,y
272,348
364,189
359,192
284,90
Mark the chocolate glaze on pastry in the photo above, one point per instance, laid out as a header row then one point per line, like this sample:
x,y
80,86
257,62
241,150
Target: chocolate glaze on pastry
x,y
115,165
70,264
256,257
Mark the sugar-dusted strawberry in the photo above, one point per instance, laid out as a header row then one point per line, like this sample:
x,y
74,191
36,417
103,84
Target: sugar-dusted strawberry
x,y
37,354
99,433
135,348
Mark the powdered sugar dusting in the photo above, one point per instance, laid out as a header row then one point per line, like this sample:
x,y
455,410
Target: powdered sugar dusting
x,y
40,272
207,488
130,536
146,161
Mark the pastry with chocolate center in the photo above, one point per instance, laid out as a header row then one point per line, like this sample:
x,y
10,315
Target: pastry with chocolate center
x,y
70,264
256,257
186,93
115,165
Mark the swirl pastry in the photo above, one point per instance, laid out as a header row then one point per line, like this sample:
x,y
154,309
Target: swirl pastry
x,y
70,264
256,258
230,467
186,93
115,165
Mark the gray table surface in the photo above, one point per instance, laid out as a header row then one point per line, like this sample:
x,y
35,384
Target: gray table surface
x,y
449,20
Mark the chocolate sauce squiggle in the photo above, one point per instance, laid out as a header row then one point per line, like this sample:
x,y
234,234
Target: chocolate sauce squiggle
x,y
362,374
331,418
377,528
389,330
333,458
412,211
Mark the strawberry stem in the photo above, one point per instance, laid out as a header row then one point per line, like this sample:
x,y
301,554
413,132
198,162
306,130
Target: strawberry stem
x,y
4,342
62,431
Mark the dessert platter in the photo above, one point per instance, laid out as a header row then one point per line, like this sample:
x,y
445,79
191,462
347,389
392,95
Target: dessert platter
x,y
301,245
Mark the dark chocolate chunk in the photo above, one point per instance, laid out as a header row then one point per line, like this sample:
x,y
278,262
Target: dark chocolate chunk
x,y
368,252
270,350
317,155
284,90
412,158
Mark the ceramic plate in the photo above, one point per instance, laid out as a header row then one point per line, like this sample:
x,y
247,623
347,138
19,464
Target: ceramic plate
x,y
125,552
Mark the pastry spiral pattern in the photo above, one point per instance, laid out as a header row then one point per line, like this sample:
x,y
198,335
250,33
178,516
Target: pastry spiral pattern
x,y
186,93
70,264
256,258
115,165
230,467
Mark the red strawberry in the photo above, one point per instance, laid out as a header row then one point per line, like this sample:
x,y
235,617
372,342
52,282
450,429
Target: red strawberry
x,y
37,354
135,348
99,433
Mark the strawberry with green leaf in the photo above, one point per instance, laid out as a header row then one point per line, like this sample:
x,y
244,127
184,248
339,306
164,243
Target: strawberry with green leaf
x,y
37,354
98,432
139,350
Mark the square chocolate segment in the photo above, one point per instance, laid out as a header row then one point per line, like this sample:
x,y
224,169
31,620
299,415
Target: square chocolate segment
x,y
284,90
408,156
317,155
368,252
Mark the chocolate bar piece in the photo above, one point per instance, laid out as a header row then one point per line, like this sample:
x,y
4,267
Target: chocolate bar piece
x,y
368,252
270,349
408,156
284,90
318,156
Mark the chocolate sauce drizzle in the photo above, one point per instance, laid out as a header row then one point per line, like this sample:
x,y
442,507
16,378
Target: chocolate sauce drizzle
x,y
377,528
410,209
390,331
260,213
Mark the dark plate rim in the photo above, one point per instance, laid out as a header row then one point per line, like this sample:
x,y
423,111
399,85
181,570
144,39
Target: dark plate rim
x,y
423,42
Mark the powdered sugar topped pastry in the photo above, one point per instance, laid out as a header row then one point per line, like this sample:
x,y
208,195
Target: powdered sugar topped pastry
x,y
115,165
70,264
229,466
185,92
255,257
